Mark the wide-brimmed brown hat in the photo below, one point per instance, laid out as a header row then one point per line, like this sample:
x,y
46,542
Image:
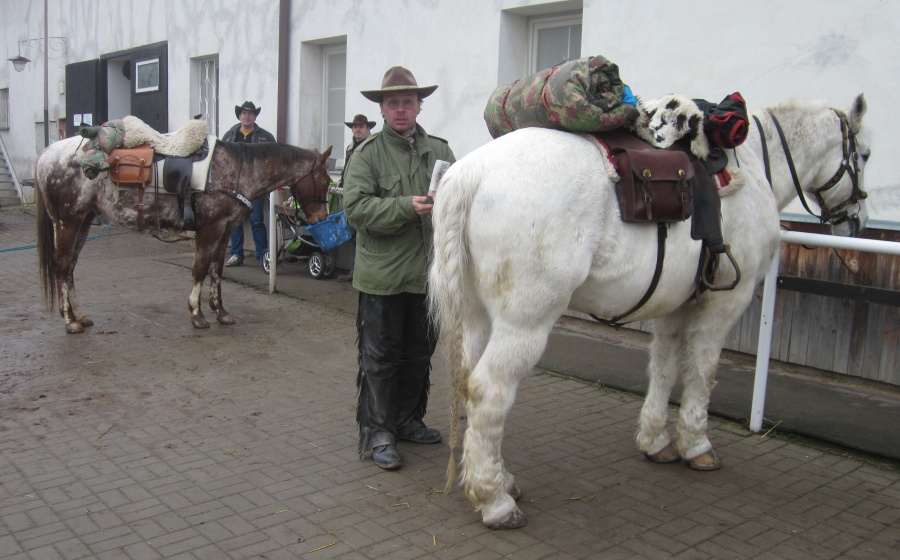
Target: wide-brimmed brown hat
x,y
247,106
360,119
398,79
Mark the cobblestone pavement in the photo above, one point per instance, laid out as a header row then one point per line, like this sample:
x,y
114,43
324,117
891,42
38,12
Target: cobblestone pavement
x,y
144,438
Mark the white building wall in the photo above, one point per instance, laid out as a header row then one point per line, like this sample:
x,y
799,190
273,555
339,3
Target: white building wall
x,y
768,50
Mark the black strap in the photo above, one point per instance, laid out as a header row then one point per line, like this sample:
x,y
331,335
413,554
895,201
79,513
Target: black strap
x,y
793,170
661,234
765,150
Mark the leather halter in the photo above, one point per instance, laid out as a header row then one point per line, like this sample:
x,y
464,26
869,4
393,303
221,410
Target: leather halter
x,y
246,201
849,165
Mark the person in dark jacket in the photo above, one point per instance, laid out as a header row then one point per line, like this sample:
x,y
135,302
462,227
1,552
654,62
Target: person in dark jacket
x,y
385,188
362,129
248,131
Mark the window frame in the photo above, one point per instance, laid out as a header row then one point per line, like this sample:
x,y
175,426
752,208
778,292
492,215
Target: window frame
x,y
329,51
538,23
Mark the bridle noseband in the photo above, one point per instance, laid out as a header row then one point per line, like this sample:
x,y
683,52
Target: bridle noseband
x,y
849,165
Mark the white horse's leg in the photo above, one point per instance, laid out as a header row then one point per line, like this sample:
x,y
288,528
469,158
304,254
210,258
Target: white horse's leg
x,y
510,354
666,349
476,333
709,323
698,379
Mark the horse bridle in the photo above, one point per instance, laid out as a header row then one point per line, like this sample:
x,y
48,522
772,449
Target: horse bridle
x,y
849,165
246,201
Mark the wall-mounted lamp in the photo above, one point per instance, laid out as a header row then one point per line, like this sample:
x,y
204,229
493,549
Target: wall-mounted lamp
x,y
54,48
19,62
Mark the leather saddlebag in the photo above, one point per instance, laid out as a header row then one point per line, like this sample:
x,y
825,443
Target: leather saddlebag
x,y
655,185
131,166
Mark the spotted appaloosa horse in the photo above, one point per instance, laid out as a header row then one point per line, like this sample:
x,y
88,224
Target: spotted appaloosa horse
x,y
528,225
67,202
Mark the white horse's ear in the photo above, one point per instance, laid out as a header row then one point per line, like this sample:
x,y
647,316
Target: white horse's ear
x,y
699,142
856,113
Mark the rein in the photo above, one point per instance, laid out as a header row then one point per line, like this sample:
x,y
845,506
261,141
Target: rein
x,y
849,165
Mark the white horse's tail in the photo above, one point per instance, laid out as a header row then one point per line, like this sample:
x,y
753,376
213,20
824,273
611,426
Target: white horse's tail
x,y
447,286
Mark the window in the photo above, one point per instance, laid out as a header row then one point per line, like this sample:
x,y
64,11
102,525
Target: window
x,y
4,109
147,75
205,91
335,81
554,39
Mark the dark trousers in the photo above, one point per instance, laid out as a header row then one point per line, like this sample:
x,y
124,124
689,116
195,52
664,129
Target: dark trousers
x,y
396,342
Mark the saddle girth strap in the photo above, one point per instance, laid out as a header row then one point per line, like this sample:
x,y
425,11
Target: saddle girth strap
x,y
661,234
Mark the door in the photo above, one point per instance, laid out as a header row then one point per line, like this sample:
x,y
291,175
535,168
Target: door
x,y
83,95
150,85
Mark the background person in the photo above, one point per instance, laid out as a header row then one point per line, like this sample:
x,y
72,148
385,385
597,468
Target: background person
x,y
362,129
248,131
385,187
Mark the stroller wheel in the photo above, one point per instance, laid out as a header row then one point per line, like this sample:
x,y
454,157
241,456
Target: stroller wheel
x,y
266,262
321,265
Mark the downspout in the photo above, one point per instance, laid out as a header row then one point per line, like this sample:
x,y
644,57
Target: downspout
x,y
284,29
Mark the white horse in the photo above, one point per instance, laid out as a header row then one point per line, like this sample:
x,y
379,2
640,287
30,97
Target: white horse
x,y
528,225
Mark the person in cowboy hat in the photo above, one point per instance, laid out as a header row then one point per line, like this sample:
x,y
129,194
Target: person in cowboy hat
x,y
362,128
385,188
248,131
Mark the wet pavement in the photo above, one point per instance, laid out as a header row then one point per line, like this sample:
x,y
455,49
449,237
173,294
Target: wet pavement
x,y
145,438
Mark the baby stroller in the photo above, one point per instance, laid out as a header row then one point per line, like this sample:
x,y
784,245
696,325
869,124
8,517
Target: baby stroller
x,y
301,241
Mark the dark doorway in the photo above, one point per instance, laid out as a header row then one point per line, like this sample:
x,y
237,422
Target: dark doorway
x,y
84,95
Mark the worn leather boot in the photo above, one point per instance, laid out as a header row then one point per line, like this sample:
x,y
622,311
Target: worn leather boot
x,y
387,457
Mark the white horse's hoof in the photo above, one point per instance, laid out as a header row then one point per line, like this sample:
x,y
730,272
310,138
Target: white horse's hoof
x,y
199,323
74,328
667,454
705,462
86,321
514,520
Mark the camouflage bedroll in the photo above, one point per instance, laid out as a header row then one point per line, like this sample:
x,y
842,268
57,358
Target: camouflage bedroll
x,y
583,95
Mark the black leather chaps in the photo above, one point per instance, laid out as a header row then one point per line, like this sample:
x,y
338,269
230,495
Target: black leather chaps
x,y
396,341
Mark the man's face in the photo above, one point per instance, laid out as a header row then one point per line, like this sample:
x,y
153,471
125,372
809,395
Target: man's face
x,y
360,131
247,119
400,110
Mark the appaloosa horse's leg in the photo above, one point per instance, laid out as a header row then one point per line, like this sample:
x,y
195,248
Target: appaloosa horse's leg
x,y
70,237
666,351
215,284
82,236
209,255
509,355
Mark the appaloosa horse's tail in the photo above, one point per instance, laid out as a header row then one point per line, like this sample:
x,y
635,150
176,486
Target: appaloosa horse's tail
x,y
447,288
46,245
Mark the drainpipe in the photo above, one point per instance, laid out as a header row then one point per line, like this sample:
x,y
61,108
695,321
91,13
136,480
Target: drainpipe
x,y
284,28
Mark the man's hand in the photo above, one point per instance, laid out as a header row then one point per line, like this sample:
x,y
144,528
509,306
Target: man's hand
x,y
421,205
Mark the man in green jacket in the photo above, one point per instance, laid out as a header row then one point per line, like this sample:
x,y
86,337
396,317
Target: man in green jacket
x,y
385,188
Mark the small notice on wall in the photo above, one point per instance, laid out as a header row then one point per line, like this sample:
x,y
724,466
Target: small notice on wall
x,y
76,119
87,119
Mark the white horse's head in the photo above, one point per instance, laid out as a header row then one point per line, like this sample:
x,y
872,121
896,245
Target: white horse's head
x,y
847,213
664,121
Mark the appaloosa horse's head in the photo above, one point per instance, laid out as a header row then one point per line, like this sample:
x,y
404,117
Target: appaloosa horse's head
x,y
311,188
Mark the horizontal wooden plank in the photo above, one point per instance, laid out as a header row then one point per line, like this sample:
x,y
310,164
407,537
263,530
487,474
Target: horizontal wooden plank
x,y
839,290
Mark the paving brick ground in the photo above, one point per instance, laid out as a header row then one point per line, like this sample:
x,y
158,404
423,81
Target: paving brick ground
x,y
144,438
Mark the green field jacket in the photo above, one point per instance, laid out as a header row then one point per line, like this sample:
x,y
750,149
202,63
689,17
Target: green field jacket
x,y
393,244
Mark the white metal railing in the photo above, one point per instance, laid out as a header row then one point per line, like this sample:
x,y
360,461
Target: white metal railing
x,y
764,344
